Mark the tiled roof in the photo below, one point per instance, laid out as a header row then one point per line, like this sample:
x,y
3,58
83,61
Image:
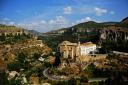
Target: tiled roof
x,y
67,43
88,44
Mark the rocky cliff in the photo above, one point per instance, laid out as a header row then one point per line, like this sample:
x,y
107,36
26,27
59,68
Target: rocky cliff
x,y
114,34
115,37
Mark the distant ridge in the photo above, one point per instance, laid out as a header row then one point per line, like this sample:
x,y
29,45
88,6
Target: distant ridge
x,y
34,32
91,25
125,20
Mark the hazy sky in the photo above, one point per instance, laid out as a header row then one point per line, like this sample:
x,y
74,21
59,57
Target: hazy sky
x,y
45,15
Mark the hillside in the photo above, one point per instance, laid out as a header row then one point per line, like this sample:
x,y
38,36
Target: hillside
x,y
22,54
34,32
5,29
88,31
13,34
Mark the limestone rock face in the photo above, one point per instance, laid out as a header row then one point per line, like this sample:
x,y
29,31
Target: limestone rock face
x,y
114,34
114,38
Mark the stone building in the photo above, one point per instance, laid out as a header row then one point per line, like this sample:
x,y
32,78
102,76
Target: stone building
x,y
68,49
13,32
35,42
72,50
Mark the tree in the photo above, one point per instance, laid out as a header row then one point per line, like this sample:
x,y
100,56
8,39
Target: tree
x,y
14,81
72,81
3,78
47,64
21,57
36,55
90,69
20,62
57,59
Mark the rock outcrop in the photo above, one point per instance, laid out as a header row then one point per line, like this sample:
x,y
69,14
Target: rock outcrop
x,y
114,34
114,38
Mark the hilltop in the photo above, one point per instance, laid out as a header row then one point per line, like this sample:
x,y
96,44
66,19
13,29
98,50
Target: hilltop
x,y
14,30
85,26
4,29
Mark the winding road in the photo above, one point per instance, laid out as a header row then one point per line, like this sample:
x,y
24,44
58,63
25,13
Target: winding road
x,y
58,78
53,77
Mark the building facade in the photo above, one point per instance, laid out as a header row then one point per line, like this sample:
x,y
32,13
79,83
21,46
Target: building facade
x,y
68,49
72,50
87,48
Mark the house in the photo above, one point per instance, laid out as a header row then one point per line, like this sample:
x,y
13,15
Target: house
x,y
72,50
87,48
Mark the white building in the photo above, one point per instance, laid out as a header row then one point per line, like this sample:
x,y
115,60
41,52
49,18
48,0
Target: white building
x,y
87,48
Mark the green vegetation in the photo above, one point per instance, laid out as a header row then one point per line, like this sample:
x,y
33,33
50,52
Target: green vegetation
x,y
12,34
90,25
58,82
19,63
14,81
12,39
3,78
89,70
119,45
29,66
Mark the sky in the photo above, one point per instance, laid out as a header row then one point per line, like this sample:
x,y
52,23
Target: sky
x,y
46,15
